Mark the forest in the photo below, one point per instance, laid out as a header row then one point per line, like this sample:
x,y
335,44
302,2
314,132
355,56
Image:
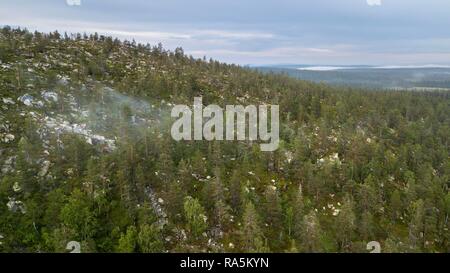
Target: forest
x,y
86,155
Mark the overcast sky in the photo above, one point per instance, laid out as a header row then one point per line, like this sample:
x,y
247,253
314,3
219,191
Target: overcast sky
x,y
373,32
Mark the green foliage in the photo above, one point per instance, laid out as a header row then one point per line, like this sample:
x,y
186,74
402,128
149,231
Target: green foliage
x,y
78,215
252,236
127,241
195,216
353,165
150,239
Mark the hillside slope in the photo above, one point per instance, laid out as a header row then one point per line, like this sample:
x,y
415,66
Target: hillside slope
x,y
86,155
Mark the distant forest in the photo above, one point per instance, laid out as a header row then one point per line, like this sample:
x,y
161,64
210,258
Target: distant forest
x,y
86,155
422,79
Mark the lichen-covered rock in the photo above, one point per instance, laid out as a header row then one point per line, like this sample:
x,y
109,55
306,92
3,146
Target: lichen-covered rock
x,y
44,169
26,99
16,205
49,96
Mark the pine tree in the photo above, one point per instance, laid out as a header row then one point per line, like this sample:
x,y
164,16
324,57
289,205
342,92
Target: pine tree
x,y
173,198
213,191
368,195
417,225
345,224
26,167
235,192
141,183
272,209
222,215
195,216
150,239
184,176
396,205
77,215
366,226
252,236
298,211
311,234
128,241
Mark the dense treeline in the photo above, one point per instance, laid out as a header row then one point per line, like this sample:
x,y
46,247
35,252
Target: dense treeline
x,y
353,165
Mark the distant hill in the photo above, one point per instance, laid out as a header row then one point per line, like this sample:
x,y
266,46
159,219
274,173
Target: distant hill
x,y
427,77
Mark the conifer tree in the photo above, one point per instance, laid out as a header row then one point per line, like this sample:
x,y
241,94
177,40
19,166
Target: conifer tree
x,y
311,234
345,224
252,236
150,239
128,241
195,216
